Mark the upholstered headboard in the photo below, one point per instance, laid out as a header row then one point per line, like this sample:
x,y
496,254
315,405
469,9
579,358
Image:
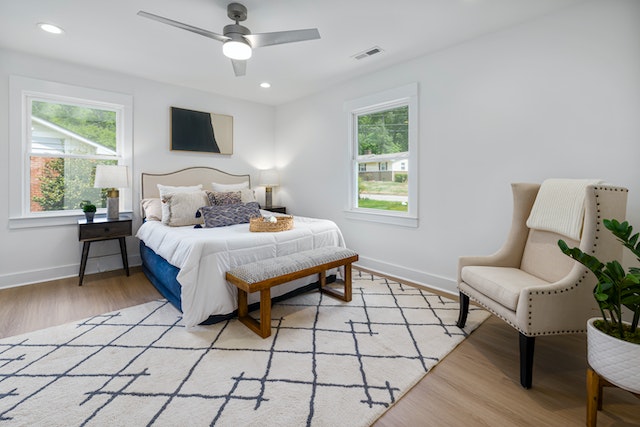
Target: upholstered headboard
x,y
189,176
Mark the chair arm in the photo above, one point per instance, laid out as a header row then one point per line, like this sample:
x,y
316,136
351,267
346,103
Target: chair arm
x,y
560,307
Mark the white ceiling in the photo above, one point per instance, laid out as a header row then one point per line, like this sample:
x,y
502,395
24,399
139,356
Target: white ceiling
x,y
108,34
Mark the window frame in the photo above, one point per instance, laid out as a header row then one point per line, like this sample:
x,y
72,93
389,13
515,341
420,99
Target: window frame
x,y
400,96
22,91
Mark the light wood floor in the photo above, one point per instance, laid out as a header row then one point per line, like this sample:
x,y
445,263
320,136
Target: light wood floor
x,y
475,385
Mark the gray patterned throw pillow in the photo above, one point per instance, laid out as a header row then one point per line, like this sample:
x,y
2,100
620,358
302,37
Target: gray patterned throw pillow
x,y
224,215
227,198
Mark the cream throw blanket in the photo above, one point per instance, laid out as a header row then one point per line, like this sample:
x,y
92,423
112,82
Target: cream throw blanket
x,y
559,206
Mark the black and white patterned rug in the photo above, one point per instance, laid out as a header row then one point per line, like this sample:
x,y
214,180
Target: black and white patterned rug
x,y
327,362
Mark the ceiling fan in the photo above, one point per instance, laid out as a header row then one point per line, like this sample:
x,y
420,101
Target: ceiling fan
x,y
238,41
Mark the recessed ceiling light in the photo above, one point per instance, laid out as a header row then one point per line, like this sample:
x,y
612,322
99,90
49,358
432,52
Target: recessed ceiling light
x,y
265,85
50,28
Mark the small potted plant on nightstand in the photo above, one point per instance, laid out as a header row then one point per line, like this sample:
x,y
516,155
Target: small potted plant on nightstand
x,y
89,210
613,344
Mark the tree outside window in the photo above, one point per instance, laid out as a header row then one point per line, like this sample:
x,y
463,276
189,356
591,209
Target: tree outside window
x,y
383,145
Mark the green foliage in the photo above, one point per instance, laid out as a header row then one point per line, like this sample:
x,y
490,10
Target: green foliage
x,y
94,124
366,188
615,288
87,206
382,204
384,132
400,177
66,183
52,186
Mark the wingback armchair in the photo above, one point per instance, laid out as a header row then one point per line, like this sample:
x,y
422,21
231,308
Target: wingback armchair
x,y
530,284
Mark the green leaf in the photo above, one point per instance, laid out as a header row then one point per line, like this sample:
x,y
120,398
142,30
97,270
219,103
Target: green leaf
x,y
601,297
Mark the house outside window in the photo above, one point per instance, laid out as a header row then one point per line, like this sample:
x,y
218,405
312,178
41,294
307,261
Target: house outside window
x,y
57,141
383,135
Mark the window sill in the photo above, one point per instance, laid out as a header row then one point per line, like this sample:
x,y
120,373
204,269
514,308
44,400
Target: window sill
x,y
70,218
384,218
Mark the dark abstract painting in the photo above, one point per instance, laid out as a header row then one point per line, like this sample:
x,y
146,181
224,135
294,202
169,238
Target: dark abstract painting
x,y
200,131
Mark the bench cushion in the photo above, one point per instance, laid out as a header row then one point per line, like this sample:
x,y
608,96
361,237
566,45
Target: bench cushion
x,y
265,269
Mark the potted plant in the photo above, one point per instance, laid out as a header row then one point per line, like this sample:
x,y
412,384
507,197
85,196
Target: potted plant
x,y
613,344
89,210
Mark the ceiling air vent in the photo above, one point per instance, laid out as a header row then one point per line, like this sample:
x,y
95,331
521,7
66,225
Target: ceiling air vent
x,y
367,53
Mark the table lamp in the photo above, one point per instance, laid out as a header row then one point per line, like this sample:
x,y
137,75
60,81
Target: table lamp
x,y
112,177
269,178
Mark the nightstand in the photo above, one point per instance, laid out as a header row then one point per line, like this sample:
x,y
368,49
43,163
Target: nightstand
x,y
103,229
277,209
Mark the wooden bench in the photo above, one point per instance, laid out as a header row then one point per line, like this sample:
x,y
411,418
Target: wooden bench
x,y
265,274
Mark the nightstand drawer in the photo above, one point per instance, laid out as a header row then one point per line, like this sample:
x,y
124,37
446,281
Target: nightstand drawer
x,y
103,231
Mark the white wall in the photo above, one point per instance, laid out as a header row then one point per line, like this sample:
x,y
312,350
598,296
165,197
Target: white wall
x,y
556,97
44,253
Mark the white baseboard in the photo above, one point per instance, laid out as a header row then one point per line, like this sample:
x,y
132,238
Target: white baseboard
x,y
94,265
440,283
114,262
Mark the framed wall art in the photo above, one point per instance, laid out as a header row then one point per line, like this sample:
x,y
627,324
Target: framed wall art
x,y
201,131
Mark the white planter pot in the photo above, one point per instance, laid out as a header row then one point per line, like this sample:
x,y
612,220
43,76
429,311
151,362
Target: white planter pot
x,y
616,360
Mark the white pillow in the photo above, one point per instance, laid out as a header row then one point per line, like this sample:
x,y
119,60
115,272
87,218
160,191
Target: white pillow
x,y
223,188
247,196
180,209
166,189
152,209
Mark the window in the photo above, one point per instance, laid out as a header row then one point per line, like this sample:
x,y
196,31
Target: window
x,y
60,135
383,135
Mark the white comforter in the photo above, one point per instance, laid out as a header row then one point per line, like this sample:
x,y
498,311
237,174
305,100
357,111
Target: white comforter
x,y
204,255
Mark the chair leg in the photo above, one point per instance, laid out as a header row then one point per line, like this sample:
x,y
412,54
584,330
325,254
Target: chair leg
x,y
464,310
527,345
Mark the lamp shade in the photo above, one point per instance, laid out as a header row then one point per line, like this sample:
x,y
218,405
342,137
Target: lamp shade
x,y
269,178
111,176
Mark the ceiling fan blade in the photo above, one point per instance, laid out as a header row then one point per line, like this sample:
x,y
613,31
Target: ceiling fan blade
x,y
187,27
280,37
239,67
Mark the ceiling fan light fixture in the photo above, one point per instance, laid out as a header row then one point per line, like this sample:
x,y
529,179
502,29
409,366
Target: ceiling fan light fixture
x,y
235,49
238,41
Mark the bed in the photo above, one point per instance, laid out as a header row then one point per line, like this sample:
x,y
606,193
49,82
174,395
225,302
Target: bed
x,y
187,264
